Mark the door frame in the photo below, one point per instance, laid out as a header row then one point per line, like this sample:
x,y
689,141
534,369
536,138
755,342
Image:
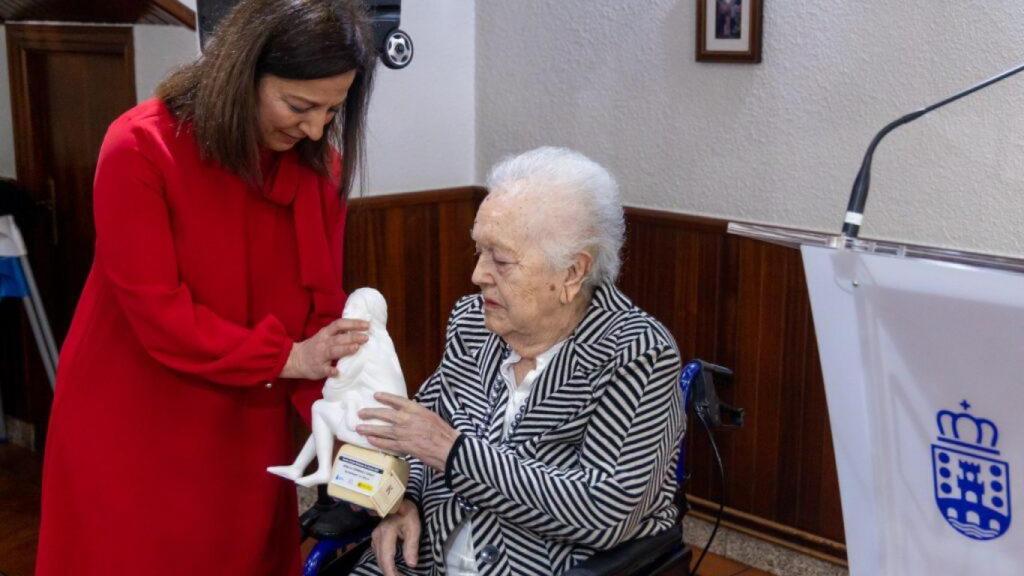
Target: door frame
x,y
22,40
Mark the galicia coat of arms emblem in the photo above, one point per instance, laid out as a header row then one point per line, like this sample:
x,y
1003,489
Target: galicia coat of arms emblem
x,y
972,486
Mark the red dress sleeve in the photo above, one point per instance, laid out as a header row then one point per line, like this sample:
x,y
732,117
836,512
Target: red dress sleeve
x,y
135,251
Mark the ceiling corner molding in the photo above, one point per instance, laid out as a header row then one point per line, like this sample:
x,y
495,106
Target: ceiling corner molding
x,y
183,14
159,12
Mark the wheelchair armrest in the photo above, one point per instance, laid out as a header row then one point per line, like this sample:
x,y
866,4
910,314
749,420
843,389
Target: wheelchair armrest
x,y
643,556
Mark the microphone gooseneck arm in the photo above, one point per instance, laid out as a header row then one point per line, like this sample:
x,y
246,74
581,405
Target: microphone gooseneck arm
x,y
859,194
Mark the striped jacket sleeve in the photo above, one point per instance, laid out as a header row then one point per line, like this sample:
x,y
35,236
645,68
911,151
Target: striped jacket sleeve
x,y
632,437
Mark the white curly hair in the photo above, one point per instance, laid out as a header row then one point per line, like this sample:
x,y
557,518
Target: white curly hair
x,y
581,194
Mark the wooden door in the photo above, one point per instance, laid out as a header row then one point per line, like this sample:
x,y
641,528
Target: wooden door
x,y
68,83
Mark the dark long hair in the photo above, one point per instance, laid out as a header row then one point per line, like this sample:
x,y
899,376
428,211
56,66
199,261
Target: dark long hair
x,y
292,39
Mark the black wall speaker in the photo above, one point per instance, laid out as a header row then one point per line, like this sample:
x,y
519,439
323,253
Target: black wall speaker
x,y
209,13
394,45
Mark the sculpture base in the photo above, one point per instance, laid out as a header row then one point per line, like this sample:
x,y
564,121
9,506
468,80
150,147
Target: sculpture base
x,y
369,478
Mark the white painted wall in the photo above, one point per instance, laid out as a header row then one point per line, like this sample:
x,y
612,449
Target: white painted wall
x,y
7,166
421,131
158,51
422,119
778,142
421,126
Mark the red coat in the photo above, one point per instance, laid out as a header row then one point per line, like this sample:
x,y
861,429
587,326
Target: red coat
x,y
168,408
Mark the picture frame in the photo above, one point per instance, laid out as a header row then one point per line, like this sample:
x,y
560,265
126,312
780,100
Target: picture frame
x,y
729,30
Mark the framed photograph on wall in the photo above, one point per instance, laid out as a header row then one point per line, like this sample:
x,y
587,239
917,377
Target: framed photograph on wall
x,y
729,30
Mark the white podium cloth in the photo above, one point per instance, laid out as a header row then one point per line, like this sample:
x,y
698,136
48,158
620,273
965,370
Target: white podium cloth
x,y
924,375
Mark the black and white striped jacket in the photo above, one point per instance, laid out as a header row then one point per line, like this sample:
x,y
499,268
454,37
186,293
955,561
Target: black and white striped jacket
x,y
590,465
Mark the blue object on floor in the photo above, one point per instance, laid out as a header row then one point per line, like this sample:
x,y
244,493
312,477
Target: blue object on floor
x,y
12,279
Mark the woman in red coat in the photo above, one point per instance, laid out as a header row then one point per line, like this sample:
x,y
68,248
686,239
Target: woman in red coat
x,y
212,304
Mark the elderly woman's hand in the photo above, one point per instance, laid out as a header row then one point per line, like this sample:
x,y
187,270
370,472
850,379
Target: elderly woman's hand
x,y
403,525
409,429
314,357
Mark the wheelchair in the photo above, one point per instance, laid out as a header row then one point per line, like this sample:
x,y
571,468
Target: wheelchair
x,y
339,527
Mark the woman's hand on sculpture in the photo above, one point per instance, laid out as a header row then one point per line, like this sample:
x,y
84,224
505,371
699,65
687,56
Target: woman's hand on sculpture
x,y
403,525
409,429
314,357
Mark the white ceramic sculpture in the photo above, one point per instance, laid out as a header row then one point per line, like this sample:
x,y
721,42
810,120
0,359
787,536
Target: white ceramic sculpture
x,y
373,368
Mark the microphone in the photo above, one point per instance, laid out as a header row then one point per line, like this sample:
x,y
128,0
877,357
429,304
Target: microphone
x,y
859,194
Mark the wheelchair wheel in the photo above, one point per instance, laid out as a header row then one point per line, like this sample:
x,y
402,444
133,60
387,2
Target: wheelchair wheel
x,y
397,50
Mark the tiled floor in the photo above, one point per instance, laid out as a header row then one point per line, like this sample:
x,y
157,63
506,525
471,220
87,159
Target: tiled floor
x,y
19,519
715,565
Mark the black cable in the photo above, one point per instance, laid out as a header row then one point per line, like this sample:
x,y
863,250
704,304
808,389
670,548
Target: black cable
x,y
859,193
721,501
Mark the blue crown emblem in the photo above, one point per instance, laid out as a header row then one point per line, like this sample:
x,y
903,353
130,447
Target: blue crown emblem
x,y
972,487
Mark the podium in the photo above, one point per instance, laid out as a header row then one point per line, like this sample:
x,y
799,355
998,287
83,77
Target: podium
x,y
922,352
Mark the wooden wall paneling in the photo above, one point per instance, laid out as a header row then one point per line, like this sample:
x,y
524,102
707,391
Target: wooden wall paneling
x,y
393,286
808,453
781,479
421,291
705,313
732,301
651,279
771,354
741,452
415,249
711,348
813,441
673,272
672,268
704,479
792,415
829,505
457,253
744,305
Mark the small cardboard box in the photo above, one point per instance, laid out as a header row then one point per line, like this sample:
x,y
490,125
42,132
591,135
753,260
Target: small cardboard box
x,y
369,478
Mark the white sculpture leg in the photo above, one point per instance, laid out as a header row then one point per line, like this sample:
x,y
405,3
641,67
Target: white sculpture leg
x,y
294,471
328,417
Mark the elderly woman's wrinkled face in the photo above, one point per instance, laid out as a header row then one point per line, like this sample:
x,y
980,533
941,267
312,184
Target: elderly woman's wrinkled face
x,y
520,287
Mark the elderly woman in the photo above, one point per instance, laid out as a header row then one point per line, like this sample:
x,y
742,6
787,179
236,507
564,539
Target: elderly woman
x,y
549,431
